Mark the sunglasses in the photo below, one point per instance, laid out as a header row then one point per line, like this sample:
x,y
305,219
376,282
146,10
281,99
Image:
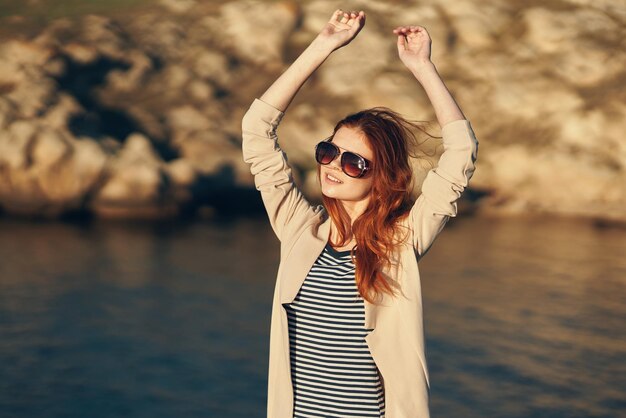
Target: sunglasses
x,y
351,163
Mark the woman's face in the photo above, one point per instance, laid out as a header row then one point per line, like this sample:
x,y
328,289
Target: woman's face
x,y
349,188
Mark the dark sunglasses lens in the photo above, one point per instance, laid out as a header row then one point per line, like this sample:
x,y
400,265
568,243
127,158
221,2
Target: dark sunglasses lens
x,y
325,153
352,164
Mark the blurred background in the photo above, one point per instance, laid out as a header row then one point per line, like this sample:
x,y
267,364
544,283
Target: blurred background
x,y
137,263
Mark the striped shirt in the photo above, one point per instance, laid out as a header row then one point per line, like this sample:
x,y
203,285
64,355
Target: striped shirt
x,y
332,370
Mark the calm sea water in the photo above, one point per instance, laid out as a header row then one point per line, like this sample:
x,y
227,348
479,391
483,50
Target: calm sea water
x,y
524,318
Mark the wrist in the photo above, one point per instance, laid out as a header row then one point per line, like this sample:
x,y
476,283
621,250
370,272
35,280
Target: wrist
x,y
321,46
422,69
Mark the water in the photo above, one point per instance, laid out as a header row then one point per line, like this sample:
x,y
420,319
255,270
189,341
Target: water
x,y
524,318
527,319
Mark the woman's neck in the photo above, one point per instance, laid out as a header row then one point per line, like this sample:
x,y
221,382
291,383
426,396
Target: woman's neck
x,y
355,208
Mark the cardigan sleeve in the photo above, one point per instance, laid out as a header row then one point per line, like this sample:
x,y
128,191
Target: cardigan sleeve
x,y
444,184
285,204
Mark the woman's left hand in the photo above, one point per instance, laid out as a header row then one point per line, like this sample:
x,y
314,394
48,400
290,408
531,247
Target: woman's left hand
x,y
413,46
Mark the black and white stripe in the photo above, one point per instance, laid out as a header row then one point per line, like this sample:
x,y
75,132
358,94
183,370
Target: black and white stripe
x,y
332,370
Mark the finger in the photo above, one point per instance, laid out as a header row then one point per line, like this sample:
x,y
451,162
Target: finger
x,y
361,18
353,16
401,43
336,16
358,17
419,31
360,22
412,38
344,18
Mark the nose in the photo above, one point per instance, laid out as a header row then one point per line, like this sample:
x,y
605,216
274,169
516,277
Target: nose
x,y
335,164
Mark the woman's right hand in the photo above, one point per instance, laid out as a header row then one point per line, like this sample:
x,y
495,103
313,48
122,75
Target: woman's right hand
x,y
341,29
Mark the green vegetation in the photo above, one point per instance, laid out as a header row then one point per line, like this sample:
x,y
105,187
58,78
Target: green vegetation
x,y
52,9
27,17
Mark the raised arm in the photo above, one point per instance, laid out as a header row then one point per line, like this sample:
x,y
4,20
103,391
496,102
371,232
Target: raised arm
x,y
444,184
339,31
268,163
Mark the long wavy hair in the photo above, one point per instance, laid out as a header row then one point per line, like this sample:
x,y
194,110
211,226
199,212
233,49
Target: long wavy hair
x,y
393,141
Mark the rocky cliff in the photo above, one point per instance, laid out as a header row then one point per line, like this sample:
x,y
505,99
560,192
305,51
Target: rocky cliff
x,y
139,115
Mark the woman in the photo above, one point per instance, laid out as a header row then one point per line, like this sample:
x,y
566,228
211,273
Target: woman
x,y
346,333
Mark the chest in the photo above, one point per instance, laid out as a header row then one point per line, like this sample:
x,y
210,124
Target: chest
x,y
330,288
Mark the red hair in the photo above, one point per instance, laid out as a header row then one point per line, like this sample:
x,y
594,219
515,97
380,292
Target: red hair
x,y
391,138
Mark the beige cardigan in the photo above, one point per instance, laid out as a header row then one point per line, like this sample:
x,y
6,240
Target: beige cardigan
x,y
397,341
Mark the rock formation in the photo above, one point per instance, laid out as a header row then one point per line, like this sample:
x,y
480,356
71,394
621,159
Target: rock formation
x,y
139,115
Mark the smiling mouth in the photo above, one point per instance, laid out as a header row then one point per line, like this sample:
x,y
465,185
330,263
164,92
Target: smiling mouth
x,y
333,179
